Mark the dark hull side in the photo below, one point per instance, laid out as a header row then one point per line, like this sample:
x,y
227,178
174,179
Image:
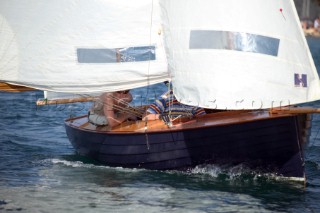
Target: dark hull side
x,y
272,145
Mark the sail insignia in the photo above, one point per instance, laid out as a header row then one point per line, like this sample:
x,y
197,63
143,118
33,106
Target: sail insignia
x,y
300,80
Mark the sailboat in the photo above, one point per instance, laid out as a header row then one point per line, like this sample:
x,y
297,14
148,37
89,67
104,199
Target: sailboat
x,y
246,62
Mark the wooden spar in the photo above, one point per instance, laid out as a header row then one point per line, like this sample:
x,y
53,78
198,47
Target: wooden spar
x,y
64,101
295,110
137,111
13,88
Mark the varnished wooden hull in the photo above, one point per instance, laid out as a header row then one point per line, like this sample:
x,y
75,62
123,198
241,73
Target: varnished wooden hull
x,y
271,143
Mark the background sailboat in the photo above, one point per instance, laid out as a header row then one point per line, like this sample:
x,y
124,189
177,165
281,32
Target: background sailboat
x,y
217,56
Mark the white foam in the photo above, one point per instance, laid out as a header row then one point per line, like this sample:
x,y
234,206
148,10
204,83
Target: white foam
x,y
79,164
211,170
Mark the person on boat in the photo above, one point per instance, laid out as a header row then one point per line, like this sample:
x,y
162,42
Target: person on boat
x,y
316,24
167,104
109,109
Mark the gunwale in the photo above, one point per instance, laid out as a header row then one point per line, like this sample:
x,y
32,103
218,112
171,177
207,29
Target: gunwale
x,y
209,120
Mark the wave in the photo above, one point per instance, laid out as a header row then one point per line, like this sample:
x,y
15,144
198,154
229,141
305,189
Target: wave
x,y
313,164
17,144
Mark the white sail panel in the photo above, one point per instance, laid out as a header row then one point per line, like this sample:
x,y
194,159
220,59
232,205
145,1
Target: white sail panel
x,y
233,54
81,46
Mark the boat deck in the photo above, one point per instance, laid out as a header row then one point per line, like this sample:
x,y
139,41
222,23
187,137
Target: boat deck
x,y
208,120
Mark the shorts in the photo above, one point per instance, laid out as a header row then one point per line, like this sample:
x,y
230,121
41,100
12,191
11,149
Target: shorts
x,y
96,119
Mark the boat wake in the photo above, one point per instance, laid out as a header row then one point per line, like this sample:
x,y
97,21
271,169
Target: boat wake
x,y
80,164
240,172
226,171
75,164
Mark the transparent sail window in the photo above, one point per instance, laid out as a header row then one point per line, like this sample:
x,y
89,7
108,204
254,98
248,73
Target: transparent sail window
x,y
245,42
117,55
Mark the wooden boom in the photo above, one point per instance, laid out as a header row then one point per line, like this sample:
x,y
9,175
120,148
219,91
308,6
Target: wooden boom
x,y
64,101
295,110
14,88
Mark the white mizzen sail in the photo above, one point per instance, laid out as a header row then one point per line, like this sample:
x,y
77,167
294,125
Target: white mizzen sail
x,y
232,54
81,46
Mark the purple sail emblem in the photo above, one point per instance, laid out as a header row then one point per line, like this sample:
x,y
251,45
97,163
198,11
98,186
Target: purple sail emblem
x,y
300,80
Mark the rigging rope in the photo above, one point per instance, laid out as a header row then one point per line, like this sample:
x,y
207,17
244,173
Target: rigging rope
x,y
125,107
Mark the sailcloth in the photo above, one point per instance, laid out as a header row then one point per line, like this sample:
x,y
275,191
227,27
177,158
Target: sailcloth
x,y
81,46
232,54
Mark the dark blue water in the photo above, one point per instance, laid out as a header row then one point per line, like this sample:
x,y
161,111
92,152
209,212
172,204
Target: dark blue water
x,y
39,171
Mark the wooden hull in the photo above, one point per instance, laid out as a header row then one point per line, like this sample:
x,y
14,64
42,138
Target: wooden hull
x,y
271,143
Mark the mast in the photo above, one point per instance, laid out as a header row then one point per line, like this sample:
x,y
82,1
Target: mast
x,y
305,9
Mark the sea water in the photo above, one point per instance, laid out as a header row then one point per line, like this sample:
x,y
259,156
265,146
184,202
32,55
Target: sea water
x,y
40,172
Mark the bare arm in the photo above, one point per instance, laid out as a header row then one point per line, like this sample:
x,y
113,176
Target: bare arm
x,y
150,117
113,118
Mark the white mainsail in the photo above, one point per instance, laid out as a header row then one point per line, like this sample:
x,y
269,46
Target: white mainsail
x,y
81,46
232,54
229,54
